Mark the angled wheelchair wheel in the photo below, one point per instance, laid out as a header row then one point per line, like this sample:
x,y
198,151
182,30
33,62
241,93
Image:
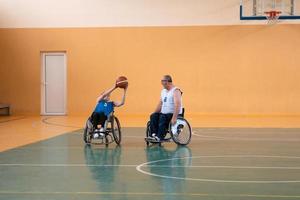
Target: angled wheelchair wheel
x,y
86,139
87,132
148,132
116,130
182,133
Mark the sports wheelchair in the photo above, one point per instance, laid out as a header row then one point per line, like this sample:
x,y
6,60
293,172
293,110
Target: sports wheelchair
x,y
111,133
180,133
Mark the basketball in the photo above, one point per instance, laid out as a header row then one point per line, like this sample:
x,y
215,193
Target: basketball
x,y
122,82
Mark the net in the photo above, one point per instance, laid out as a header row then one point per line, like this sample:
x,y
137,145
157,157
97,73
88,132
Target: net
x,y
272,16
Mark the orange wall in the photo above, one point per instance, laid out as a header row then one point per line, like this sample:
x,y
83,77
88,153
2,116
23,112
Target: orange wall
x,y
221,69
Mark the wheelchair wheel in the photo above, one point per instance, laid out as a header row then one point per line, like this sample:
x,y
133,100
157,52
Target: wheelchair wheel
x,y
87,133
148,132
116,130
183,133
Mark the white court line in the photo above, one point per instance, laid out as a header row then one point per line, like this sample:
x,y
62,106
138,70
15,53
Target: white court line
x,y
159,166
48,147
225,167
61,165
139,168
148,194
177,158
245,139
13,119
45,121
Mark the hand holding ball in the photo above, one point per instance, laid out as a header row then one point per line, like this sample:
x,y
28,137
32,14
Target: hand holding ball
x,y
122,82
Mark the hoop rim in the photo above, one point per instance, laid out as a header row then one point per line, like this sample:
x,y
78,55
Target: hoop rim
x,y
272,16
273,13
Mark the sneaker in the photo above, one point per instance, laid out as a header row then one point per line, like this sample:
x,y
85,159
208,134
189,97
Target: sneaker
x,y
156,139
97,130
99,133
151,137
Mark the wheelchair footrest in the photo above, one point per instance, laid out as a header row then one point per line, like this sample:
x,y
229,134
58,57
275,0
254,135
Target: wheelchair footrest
x,y
152,140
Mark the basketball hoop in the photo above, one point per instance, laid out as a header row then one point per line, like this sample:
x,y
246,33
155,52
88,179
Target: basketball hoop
x,y
272,16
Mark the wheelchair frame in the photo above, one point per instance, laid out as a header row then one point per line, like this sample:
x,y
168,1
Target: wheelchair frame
x,y
110,133
169,135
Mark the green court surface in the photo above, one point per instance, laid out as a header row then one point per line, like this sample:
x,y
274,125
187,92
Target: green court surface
x,y
220,163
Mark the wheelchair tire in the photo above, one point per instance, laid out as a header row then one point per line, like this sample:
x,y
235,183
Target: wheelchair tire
x,y
116,130
184,140
86,135
148,132
86,132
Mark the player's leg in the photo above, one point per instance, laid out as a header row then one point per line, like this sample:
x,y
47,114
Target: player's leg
x,y
163,125
95,118
102,119
154,120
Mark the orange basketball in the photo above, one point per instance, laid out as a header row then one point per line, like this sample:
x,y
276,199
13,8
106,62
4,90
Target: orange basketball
x,y
122,82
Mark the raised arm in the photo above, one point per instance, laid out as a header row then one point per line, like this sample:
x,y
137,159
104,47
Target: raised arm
x,y
177,104
118,104
104,94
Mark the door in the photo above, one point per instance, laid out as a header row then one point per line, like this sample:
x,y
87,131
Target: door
x,y
54,86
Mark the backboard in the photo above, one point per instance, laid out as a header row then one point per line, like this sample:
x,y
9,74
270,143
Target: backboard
x,y
257,9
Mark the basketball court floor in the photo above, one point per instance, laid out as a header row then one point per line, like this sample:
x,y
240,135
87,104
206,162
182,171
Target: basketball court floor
x,y
220,163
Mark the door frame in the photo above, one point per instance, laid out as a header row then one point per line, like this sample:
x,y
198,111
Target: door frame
x,y
43,55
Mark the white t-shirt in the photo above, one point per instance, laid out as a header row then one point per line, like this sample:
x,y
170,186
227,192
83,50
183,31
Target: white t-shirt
x,y
167,98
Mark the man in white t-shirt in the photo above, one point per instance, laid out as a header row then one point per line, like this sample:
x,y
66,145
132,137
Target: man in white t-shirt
x,y
167,110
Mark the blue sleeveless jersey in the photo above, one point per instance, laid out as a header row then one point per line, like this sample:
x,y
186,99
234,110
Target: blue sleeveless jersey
x,y
104,106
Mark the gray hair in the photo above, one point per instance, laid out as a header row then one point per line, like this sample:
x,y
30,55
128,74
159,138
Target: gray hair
x,y
168,78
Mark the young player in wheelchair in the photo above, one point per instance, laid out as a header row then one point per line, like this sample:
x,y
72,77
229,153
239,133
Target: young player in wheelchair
x,y
168,117
102,122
